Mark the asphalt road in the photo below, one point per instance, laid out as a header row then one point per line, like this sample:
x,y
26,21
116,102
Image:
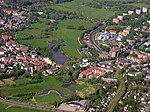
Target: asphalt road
x,y
18,104
92,37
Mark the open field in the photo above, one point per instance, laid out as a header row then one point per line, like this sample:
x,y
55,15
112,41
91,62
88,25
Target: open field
x,y
34,43
70,36
51,98
51,82
10,108
36,30
88,12
84,89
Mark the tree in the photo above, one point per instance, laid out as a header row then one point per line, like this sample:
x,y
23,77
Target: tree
x,y
81,28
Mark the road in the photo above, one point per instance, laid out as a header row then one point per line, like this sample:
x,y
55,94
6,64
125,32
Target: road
x,y
18,104
92,37
60,92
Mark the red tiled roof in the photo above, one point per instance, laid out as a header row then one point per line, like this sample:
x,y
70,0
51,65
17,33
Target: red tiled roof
x,y
113,31
92,71
6,37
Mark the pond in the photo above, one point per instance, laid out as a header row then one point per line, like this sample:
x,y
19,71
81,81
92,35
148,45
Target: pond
x,y
57,54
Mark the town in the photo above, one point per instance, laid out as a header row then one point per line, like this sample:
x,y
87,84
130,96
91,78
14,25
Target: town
x,y
112,75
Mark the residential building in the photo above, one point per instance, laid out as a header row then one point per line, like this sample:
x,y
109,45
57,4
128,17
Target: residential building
x,y
130,12
114,52
116,20
138,11
145,10
92,72
120,18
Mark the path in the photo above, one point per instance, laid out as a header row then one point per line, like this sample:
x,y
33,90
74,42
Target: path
x,y
61,93
25,105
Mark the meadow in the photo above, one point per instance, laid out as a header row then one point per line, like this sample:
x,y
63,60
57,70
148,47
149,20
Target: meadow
x,y
10,108
50,82
49,99
87,12
70,36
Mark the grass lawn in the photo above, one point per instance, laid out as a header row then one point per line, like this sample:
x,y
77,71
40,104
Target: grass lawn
x,y
51,98
50,82
70,36
8,108
87,12
9,81
84,88
36,29
34,43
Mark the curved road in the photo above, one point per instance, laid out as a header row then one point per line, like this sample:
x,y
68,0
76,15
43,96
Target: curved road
x,y
45,92
61,93
92,36
25,105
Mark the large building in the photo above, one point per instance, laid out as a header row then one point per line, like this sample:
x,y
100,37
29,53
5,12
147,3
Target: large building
x,y
138,56
92,72
114,52
74,106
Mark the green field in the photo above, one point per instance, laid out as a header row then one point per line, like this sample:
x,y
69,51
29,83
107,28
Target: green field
x,y
88,12
70,36
50,82
36,30
84,88
10,108
34,43
51,98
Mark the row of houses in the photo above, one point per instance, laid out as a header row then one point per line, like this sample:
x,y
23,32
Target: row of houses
x,y
130,12
13,54
15,20
92,72
112,34
138,56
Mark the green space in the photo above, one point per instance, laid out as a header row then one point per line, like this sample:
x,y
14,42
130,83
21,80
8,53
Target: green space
x,y
10,108
70,36
34,43
84,88
9,81
36,30
87,12
51,98
50,82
